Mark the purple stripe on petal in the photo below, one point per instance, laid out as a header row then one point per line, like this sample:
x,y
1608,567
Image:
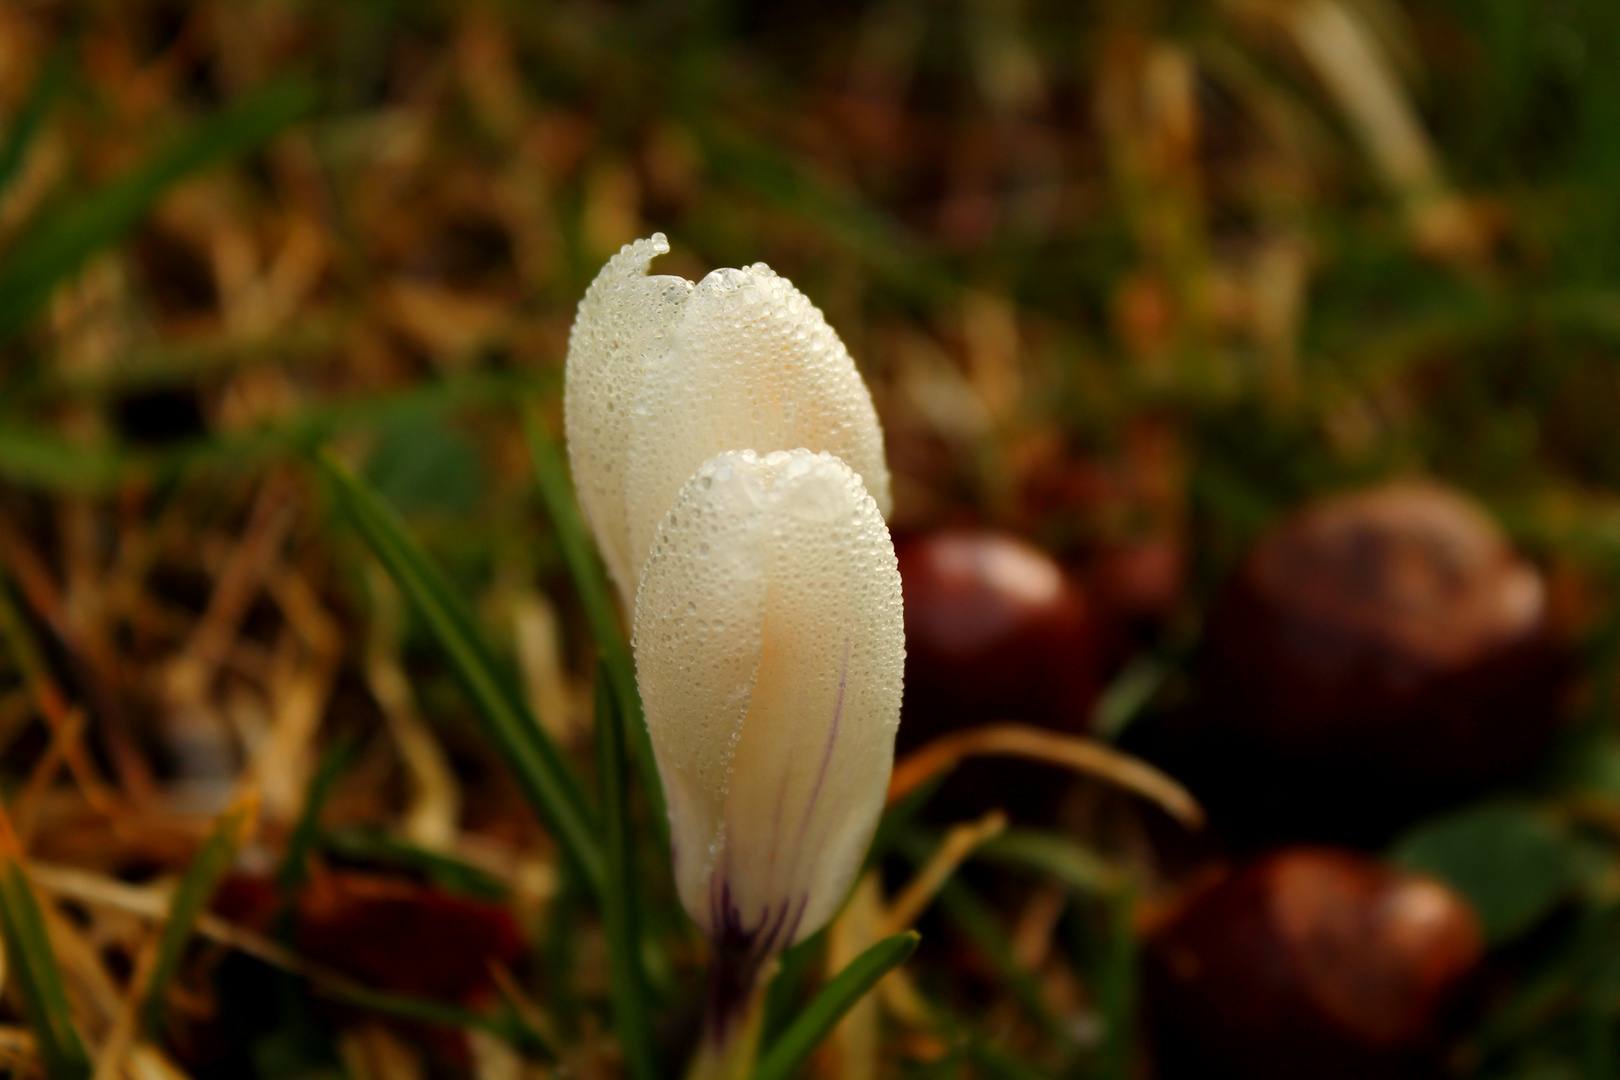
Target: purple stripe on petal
x,y
740,952
826,753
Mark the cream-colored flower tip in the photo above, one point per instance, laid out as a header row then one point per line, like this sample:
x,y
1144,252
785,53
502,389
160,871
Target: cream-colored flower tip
x,y
662,375
620,330
769,650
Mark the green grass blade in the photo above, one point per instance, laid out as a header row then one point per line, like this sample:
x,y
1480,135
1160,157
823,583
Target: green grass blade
x,y
32,967
1113,972
56,245
629,984
294,868
558,954
975,919
371,846
1115,979
508,1024
37,458
999,1065
968,912
788,986
541,770
828,1007
20,135
190,898
596,597
1056,856
17,637
1127,697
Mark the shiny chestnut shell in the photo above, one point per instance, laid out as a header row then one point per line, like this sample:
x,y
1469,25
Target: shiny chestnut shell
x,y
996,630
1378,655
1309,961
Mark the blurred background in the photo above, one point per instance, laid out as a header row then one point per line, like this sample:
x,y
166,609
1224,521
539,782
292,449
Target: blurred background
x,y
1249,372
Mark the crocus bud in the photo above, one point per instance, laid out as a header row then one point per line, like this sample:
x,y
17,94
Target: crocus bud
x,y
769,651
663,374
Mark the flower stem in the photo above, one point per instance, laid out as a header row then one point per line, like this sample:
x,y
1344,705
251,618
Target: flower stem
x,y
734,1020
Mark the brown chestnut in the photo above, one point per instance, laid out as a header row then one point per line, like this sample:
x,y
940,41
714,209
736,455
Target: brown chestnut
x,y
355,922
1138,581
1311,962
1377,655
996,630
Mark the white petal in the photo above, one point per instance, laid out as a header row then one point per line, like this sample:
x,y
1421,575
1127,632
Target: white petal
x,y
660,380
754,366
621,328
769,649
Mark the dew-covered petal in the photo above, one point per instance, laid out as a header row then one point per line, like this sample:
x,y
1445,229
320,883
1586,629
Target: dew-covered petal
x,y
769,648
753,366
621,328
663,375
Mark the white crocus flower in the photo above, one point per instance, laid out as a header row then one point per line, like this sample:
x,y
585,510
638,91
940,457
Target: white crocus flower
x,y
664,374
769,649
